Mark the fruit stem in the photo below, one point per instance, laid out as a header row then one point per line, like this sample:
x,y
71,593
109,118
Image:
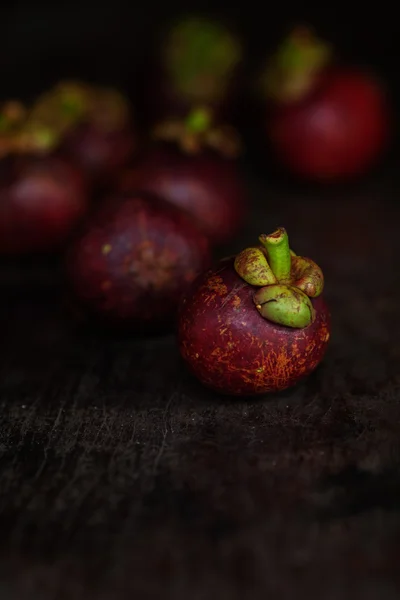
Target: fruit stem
x,y
198,120
277,246
197,132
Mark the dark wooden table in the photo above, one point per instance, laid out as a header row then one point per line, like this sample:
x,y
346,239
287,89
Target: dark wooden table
x,y
122,477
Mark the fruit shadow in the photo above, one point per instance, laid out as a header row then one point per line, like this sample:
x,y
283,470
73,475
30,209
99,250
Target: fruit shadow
x,y
87,325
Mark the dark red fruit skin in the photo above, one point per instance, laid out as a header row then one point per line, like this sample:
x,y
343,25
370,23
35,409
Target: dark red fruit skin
x,y
232,349
336,132
42,199
133,260
101,154
207,187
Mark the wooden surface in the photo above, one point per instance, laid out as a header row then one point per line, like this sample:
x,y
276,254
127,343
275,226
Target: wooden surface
x,y
121,477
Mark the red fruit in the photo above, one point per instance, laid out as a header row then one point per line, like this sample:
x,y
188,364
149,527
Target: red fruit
x,y
41,200
231,347
134,259
100,153
206,185
325,122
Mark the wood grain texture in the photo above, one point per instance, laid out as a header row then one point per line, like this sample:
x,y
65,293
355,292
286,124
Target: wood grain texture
x,y
121,477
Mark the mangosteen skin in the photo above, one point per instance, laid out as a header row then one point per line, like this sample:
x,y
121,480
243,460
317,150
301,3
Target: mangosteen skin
x,y
101,154
42,199
132,261
206,186
336,132
232,349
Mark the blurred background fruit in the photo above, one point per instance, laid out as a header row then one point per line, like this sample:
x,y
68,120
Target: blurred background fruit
x,y
41,201
42,196
196,60
325,121
94,125
133,260
164,104
192,164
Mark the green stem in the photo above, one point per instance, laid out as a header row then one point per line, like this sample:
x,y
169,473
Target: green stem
x,y
198,120
277,246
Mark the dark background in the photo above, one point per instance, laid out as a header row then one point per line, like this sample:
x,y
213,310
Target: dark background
x,y
120,476
106,41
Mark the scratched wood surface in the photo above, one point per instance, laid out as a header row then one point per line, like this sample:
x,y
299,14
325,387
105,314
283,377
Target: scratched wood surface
x,y
121,477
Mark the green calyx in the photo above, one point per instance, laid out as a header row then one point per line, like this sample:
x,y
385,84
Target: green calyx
x,y
70,103
197,132
284,305
252,266
200,55
307,276
20,134
298,60
42,126
40,138
286,282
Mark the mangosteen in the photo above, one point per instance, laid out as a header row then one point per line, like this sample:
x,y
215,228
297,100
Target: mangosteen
x,y
257,322
193,165
94,126
323,121
42,196
132,261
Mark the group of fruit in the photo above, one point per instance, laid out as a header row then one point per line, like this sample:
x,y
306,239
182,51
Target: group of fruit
x,y
138,217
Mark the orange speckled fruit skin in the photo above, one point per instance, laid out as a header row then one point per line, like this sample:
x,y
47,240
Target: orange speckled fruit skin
x,y
232,349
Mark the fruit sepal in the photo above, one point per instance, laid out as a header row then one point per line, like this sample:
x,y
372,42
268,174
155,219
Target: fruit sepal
x,y
200,57
286,282
198,132
298,61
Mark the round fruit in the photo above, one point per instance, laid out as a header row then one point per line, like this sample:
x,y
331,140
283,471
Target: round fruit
x,y
133,259
257,322
42,198
324,122
189,174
